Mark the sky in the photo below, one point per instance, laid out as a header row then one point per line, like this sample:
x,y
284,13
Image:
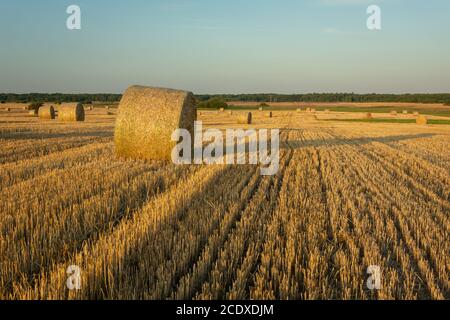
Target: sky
x,y
226,46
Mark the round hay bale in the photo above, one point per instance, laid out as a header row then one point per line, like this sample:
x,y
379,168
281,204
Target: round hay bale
x,y
107,107
422,120
269,114
313,110
393,113
416,113
261,109
71,113
230,113
245,118
308,109
221,110
299,110
368,116
46,112
33,113
405,111
7,109
146,119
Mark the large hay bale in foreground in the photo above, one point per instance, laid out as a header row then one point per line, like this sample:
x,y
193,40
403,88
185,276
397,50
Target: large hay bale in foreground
x,y
146,119
245,118
422,120
71,113
47,112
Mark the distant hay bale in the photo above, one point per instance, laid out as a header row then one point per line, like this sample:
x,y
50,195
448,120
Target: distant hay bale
x,y
422,120
405,111
33,113
308,109
146,119
71,113
245,118
368,116
261,109
47,112
107,107
327,110
269,114
230,113
221,109
393,113
299,110
313,110
416,113
109,113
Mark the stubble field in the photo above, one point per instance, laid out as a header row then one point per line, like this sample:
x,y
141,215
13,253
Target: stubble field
x,y
348,195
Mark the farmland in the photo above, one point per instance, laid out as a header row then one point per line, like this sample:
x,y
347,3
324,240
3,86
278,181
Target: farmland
x,y
348,195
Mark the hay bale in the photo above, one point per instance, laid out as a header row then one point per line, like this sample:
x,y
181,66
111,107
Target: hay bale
x,y
245,118
33,113
230,113
269,114
393,113
71,113
416,113
313,110
308,109
146,119
327,110
46,112
299,110
405,111
221,110
422,120
107,107
261,109
7,109
368,116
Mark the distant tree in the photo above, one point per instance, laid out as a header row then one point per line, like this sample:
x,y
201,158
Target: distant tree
x,y
214,103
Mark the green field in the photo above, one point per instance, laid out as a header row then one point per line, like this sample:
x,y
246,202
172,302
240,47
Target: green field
x,y
434,121
386,109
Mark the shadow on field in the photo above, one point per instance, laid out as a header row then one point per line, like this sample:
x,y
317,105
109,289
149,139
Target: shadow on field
x,y
29,135
298,144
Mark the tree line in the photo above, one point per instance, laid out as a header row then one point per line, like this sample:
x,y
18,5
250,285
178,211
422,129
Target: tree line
x,y
260,97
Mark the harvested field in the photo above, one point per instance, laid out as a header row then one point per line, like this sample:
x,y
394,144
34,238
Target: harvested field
x,y
348,195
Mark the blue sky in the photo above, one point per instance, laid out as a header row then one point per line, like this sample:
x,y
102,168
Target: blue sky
x,y
232,46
